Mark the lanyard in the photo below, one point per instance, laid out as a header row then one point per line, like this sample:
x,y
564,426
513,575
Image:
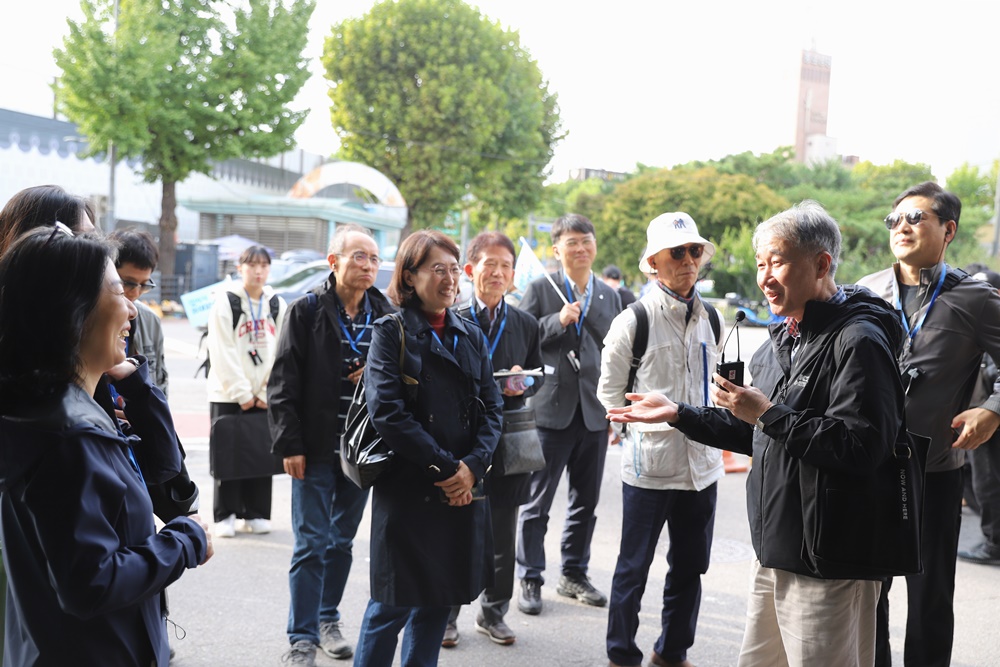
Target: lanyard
x,y
912,333
586,301
260,310
135,464
454,342
353,342
503,323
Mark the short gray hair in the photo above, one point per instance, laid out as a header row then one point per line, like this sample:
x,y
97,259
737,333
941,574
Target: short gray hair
x,y
340,237
807,226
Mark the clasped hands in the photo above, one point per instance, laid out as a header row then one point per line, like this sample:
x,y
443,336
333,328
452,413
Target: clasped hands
x,y
458,487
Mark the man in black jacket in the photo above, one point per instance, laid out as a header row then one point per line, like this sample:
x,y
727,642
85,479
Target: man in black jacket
x,y
574,316
827,404
512,340
319,361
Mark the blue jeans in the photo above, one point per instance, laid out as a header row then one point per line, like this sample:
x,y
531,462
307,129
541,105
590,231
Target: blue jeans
x,y
690,519
380,630
326,510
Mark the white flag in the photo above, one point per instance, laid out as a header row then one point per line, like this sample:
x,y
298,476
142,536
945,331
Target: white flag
x,y
528,267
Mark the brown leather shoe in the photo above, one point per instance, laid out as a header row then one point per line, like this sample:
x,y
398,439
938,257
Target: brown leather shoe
x,y
656,661
450,639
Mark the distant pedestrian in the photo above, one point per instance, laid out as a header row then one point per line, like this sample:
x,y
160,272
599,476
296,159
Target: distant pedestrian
x,y
612,277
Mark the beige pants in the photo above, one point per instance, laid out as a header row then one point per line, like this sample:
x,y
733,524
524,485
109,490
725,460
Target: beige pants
x,y
798,621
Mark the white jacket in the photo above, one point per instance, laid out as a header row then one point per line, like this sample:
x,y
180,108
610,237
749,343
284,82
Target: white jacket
x,y
233,376
679,361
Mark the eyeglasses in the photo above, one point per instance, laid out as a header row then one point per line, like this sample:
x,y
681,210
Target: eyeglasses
x,y
361,258
694,250
587,242
130,286
914,217
441,271
59,228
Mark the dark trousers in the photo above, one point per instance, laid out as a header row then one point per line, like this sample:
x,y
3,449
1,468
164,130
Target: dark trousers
x,y
246,498
930,620
690,519
986,482
495,600
581,453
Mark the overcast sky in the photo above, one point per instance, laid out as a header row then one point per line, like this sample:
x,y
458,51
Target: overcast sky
x,y
666,82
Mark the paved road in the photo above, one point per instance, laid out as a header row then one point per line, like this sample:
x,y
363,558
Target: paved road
x,y
233,611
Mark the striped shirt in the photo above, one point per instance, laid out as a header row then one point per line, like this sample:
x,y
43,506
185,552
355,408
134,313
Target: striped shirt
x,y
360,332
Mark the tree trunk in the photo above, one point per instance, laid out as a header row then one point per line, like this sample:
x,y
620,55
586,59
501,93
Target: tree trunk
x,y
168,228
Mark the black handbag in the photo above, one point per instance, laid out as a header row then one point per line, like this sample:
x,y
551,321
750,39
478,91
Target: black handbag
x,y
364,455
519,450
240,447
866,526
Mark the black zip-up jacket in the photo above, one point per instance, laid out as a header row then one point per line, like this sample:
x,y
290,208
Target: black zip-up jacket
x,y
303,392
838,408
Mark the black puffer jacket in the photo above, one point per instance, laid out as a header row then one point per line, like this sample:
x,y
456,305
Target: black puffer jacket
x,y
837,408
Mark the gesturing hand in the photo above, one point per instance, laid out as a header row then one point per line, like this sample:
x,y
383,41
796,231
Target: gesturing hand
x,y
651,408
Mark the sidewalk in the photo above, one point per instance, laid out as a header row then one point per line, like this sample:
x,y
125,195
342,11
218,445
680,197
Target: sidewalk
x,y
234,609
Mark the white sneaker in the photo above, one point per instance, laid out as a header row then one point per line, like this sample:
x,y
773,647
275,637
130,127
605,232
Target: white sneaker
x,y
258,526
226,527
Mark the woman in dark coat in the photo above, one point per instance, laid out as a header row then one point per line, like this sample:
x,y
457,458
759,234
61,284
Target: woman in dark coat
x,y
431,544
86,563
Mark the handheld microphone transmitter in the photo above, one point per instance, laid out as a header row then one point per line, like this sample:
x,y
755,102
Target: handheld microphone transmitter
x,y
732,371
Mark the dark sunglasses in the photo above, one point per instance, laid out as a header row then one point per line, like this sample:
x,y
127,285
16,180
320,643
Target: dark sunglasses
x,y
694,250
913,217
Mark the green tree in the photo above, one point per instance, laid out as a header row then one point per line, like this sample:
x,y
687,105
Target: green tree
x,y
183,83
717,202
443,101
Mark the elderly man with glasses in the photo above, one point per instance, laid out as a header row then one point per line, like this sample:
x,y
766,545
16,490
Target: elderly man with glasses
x,y
950,320
666,477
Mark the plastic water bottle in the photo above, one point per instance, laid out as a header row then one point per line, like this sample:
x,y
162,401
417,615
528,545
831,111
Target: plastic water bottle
x,y
517,382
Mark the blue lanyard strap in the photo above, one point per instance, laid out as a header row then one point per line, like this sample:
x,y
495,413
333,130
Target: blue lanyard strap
x,y
912,333
586,303
454,342
260,309
135,464
503,323
353,342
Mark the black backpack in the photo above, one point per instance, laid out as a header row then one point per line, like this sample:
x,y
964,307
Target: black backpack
x,y
642,336
237,308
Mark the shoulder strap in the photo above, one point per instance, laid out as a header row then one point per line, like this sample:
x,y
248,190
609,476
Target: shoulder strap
x,y
402,349
639,343
954,277
275,307
713,317
236,306
312,304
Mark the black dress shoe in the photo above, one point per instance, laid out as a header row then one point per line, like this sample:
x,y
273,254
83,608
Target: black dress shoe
x,y
982,554
578,586
530,599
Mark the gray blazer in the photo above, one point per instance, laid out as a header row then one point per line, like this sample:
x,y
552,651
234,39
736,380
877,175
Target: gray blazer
x,y
565,389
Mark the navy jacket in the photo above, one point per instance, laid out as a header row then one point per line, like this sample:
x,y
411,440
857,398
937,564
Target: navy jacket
x,y
85,564
424,552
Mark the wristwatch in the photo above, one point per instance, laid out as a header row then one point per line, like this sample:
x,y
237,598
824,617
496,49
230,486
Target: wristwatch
x,y
135,362
760,424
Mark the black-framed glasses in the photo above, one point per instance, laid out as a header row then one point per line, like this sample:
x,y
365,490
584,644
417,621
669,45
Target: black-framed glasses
x,y
914,217
361,258
694,250
441,271
130,286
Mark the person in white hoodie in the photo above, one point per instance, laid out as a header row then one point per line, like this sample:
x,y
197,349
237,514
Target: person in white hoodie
x,y
242,353
666,477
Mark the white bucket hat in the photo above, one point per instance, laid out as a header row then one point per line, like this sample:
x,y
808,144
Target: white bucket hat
x,y
669,231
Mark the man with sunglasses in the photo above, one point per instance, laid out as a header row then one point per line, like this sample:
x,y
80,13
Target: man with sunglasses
x,y
949,321
320,358
137,259
666,477
574,312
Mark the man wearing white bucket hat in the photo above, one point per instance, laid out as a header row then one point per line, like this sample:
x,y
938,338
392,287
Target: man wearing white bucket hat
x,y
666,477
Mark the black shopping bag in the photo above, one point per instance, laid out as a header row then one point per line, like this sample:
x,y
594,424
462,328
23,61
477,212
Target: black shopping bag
x,y
240,447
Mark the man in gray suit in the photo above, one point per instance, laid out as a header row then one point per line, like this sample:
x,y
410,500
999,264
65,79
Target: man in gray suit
x,y
574,316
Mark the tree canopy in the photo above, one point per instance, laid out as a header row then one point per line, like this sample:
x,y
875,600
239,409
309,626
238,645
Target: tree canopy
x,y
444,102
179,84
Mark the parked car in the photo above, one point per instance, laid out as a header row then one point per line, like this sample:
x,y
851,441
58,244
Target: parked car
x,y
311,275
